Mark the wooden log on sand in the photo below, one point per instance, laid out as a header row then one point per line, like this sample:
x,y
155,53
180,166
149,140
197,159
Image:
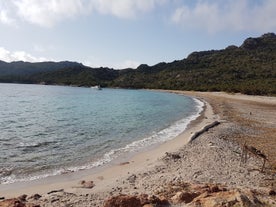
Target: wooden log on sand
x,y
205,129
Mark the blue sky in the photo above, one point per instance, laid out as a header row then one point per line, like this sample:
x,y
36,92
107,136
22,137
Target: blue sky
x,y
126,33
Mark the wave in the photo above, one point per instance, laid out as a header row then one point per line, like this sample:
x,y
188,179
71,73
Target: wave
x,y
30,146
156,138
35,144
159,137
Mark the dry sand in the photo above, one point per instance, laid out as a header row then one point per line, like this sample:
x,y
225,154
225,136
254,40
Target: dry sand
x,y
213,157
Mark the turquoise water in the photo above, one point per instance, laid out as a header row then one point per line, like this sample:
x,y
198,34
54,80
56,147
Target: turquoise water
x,y
48,130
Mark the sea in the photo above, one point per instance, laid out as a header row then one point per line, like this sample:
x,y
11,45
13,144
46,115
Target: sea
x,y
50,130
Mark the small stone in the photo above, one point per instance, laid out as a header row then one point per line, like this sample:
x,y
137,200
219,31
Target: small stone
x,y
123,201
272,193
54,200
132,178
87,184
185,197
22,197
35,196
124,163
214,189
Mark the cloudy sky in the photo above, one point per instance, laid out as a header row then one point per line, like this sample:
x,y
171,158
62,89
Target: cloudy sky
x,y
126,33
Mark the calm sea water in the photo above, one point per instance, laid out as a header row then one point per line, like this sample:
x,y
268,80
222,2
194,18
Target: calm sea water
x,y
48,130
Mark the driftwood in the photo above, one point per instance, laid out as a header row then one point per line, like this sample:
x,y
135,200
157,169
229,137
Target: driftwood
x,y
249,150
205,129
55,191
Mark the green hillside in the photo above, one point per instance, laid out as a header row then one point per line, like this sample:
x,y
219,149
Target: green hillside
x,y
249,68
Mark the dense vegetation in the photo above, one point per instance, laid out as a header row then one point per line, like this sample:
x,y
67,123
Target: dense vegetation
x,y
249,69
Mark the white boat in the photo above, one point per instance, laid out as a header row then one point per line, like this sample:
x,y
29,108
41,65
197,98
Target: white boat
x,y
98,87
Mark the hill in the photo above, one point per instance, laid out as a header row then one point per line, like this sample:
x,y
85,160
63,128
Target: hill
x,y
249,69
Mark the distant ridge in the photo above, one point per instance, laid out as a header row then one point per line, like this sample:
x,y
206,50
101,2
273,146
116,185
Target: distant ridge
x,y
27,68
249,68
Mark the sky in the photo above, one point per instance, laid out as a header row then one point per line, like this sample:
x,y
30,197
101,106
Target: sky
x,y
126,33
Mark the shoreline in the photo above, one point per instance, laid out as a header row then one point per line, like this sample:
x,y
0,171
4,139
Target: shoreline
x,y
141,136
110,172
206,169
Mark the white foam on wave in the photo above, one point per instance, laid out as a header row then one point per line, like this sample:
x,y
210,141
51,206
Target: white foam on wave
x,y
156,138
159,137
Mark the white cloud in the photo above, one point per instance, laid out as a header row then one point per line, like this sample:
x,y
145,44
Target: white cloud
x,y
5,17
10,56
47,13
128,64
124,8
97,62
228,15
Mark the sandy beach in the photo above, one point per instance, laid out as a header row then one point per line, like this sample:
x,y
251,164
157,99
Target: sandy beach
x,y
211,159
